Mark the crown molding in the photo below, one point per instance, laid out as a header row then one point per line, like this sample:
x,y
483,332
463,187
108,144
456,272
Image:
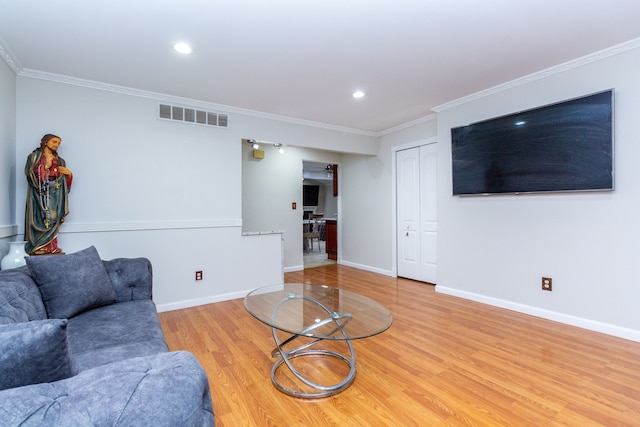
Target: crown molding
x,y
13,63
9,57
406,125
170,99
570,65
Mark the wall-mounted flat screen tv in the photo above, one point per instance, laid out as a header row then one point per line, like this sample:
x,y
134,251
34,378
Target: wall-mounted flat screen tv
x,y
567,146
310,195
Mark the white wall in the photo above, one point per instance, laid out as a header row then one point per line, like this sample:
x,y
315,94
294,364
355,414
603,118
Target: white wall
x,y
168,191
327,203
7,155
172,192
496,249
270,186
366,227
368,235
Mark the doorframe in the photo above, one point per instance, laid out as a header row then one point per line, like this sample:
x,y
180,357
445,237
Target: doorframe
x,y
394,204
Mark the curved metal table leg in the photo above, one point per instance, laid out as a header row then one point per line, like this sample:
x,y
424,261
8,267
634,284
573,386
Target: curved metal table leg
x,y
340,320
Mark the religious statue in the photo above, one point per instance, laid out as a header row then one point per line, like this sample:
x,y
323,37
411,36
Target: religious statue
x,y
49,182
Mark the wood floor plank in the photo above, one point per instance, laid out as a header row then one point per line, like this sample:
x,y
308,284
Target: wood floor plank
x,y
444,361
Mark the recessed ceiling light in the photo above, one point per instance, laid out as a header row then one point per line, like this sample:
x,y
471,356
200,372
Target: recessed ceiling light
x,y
183,48
358,94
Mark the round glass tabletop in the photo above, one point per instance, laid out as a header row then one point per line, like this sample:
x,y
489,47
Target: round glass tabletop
x,y
318,311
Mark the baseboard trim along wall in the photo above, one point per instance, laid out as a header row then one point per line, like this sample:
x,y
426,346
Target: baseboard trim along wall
x,y
201,301
348,264
592,325
293,268
368,268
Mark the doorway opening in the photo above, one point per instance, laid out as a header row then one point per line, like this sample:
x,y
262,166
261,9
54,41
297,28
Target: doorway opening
x,y
319,205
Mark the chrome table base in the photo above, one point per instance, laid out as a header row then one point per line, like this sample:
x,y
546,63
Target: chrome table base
x,y
285,356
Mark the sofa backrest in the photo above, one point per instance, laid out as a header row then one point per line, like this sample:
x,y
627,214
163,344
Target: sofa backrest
x,y
132,278
20,299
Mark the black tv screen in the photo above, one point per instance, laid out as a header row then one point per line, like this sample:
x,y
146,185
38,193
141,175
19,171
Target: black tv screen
x,y
567,146
310,195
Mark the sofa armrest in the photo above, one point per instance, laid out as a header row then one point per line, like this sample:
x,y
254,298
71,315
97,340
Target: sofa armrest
x,y
132,278
167,389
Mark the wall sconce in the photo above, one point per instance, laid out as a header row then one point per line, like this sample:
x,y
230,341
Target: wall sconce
x,y
279,148
253,143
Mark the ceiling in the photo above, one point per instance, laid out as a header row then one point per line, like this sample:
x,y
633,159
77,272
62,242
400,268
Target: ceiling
x,y
302,59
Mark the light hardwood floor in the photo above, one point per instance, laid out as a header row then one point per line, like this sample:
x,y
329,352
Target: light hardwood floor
x,y
444,361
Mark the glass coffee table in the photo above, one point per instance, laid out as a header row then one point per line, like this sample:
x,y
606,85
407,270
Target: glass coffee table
x,y
313,315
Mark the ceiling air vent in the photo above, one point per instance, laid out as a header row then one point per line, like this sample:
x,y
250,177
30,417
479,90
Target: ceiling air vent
x,y
191,115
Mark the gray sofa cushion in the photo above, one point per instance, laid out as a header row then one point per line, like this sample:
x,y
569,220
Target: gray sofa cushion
x,y
167,389
20,299
71,284
115,332
34,352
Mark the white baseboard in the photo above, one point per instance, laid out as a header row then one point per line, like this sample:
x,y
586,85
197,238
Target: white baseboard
x,y
368,268
348,264
293,268
201,301
592,325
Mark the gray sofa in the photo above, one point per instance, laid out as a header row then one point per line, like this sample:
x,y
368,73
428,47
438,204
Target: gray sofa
x,y
81,345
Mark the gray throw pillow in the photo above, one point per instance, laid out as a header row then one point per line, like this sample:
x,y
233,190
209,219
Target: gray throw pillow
x,y
71,284
34,352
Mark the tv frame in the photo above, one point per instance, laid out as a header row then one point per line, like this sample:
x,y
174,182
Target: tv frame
x,y
537,112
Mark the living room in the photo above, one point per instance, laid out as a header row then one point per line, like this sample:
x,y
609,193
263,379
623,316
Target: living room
x,y
114,139
172,192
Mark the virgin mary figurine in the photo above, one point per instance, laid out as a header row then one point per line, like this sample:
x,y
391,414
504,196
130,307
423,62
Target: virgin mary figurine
x,y
49,182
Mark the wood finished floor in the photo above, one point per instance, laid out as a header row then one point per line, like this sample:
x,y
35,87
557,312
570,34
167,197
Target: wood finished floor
x,y
444,361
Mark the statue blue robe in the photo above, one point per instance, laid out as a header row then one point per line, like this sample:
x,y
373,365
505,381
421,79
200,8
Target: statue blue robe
x,y
47,204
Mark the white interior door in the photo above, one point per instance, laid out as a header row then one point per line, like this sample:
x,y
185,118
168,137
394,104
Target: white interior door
x,y
417,226
428,213
408,212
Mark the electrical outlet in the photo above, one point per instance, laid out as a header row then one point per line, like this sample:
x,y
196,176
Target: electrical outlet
x,y
547,283
199,275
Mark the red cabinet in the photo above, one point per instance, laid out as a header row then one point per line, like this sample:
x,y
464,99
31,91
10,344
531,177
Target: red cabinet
x,y
331,236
